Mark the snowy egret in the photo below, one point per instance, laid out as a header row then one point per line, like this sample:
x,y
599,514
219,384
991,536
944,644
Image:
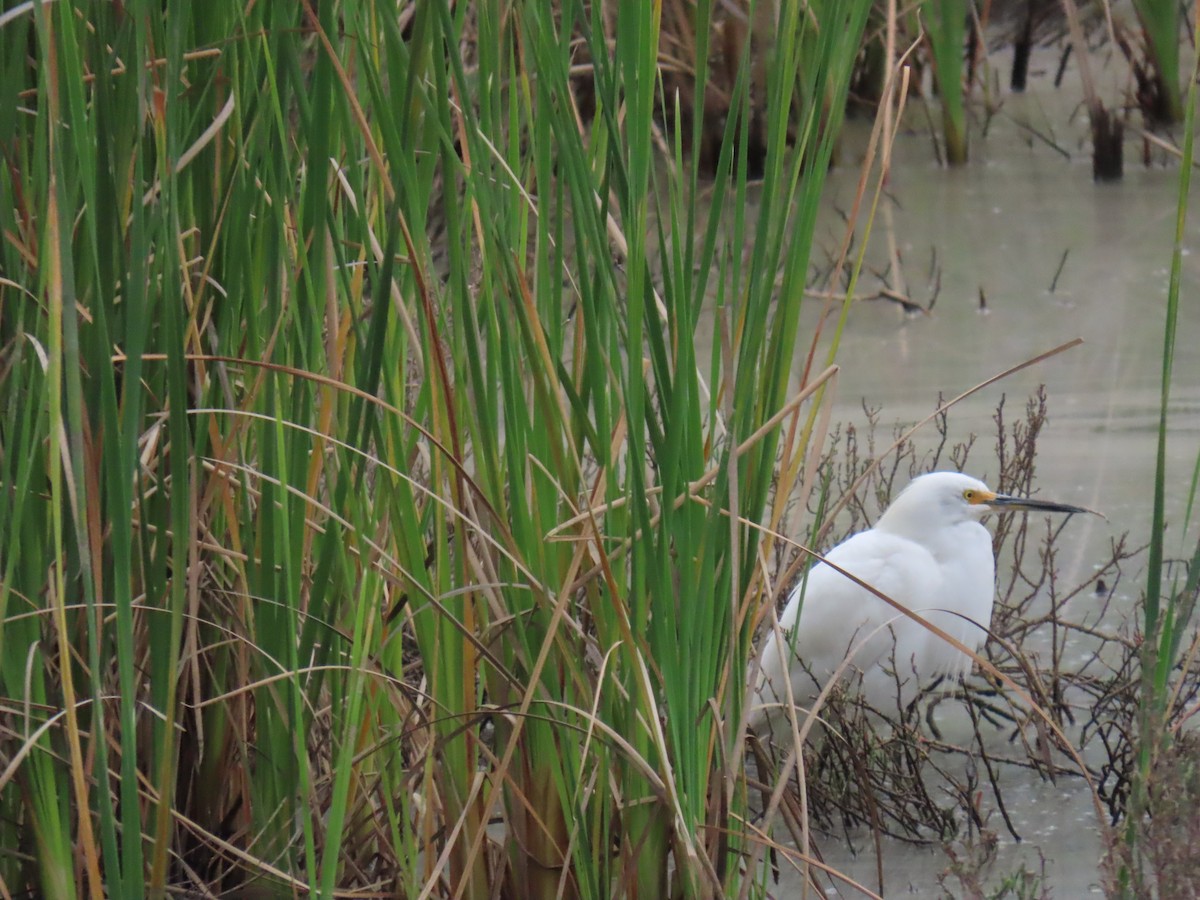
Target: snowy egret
x,y
929,553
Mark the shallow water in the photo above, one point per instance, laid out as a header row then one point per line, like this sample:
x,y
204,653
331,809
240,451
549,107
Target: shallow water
x,y
1001,225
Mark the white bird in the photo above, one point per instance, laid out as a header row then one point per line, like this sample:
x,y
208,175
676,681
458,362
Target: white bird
x,y
929,553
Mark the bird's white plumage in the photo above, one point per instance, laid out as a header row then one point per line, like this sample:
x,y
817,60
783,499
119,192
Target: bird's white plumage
x,y
928,552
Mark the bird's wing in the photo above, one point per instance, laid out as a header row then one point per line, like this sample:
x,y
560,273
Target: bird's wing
x,y
838,616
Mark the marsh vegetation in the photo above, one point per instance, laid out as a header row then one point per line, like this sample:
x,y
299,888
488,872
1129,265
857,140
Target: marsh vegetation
x,y
407,422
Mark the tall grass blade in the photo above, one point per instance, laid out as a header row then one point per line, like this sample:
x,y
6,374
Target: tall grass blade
x,y
946,29
1160,23
1168,609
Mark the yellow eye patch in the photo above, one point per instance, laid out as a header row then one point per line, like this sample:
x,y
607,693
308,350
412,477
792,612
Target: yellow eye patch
x,y
975,497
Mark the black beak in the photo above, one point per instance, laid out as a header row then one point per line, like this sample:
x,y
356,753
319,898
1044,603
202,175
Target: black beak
x,y
1005,503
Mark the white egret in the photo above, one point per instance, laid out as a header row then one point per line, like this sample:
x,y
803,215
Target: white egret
x,y
929,553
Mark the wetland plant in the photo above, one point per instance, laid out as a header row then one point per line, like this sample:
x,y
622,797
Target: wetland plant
x,y
945,23
1161,782
368,520
1159,95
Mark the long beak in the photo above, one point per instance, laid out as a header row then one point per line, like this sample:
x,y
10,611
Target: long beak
x,y
1005,503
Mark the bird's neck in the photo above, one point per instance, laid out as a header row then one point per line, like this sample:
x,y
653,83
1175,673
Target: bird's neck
x,y
942,541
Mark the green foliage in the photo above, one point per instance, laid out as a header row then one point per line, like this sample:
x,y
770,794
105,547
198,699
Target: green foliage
x,y
353,493
1169,609
1160,21
945,23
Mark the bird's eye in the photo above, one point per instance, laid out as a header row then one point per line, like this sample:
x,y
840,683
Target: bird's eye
x,y
969,495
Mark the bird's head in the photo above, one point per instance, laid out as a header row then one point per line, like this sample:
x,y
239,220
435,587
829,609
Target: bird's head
x,y
948,498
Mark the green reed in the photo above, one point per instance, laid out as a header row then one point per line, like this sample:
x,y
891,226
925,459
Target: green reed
x,y
363,487
945,23
1160,23
1169,608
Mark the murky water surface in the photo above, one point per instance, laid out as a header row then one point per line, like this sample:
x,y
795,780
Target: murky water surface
x,y
1002,225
